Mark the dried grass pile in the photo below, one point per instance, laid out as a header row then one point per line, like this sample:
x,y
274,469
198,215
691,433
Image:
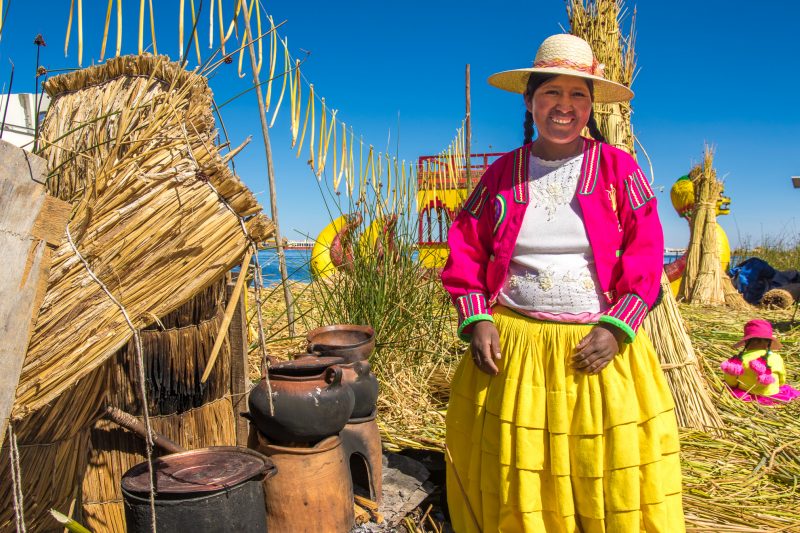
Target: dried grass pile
x,y
157,213
748,477
598,22
782,298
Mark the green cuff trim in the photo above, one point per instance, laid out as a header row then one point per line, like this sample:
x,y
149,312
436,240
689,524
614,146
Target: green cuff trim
x,y
630,334
474,318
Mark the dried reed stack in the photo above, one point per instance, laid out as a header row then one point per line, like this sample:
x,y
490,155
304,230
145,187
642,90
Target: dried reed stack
x,y
598,23
690,391
702,279
157,213
782,298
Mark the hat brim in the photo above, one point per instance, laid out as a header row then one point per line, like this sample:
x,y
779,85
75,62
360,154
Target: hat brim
x,y
605,91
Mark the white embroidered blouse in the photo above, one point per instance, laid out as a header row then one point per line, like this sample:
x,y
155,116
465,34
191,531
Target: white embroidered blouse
x,y
552,274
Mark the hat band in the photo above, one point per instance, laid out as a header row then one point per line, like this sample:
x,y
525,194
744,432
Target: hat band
x,y
595,69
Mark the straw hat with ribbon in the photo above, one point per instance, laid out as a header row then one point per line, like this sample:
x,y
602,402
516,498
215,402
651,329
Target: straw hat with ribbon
x,y
569,55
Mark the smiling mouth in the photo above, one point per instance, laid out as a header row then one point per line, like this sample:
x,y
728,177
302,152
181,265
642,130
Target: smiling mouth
x,y
561,121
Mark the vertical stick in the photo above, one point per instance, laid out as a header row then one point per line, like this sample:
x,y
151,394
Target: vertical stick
x,y
468,137
237,333
273,201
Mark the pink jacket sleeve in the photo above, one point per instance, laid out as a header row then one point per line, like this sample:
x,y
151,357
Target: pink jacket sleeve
x,y
641,259
470,242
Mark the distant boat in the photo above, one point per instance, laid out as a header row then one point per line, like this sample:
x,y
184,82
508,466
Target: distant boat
x,y
299,245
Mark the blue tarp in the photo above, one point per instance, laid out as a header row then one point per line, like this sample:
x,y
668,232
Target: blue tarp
x,y
753,277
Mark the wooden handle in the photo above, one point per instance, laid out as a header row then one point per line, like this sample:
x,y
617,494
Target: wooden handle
x,y
131,423
226,320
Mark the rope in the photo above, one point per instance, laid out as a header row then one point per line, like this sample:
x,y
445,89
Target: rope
x,y
140,364
16,480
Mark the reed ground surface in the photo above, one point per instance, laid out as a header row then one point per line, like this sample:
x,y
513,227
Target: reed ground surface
x,y
743,479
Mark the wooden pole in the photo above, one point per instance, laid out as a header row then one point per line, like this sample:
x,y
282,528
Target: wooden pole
x,y
468,136
273,201
237,333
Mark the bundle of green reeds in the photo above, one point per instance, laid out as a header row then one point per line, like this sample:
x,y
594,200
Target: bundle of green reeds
x,y
157,214
598,22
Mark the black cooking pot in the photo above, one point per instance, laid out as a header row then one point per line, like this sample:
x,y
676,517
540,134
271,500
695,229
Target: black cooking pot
x,y
211,490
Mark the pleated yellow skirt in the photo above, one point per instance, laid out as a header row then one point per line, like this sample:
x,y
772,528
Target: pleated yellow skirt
x,y
543,448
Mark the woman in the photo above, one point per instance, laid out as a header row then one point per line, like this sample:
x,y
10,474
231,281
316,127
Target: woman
x,y
560,418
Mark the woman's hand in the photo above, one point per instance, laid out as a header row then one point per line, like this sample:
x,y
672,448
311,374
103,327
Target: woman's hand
x,y
598,348
485,346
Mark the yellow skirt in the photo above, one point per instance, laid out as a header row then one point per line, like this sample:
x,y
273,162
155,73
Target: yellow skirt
x,y
541,447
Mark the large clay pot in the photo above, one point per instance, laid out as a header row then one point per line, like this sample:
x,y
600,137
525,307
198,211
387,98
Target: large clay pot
x,y
310,402
358,377
351,342
312,490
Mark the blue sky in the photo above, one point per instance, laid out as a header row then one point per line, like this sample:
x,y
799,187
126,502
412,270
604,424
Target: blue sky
x,y
710,72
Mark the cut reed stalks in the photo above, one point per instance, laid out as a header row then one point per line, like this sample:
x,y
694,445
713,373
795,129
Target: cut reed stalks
x,y
665,326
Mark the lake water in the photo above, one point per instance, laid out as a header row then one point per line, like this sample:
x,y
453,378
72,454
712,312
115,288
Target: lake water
x,y
298,265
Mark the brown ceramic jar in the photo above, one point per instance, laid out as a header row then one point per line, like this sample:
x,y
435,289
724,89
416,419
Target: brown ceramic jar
x,y
309,399
349,341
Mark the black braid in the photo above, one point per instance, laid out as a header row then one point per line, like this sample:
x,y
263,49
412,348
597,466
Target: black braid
x,y
528,127
594,130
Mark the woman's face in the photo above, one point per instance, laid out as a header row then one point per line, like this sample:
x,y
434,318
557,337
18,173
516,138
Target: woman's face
x,y
561,108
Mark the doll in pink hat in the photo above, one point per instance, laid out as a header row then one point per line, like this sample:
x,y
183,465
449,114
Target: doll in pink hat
x,y
757,372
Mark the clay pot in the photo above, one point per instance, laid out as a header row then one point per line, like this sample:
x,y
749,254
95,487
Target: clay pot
x,y
358,377
312,490
351,342
309,399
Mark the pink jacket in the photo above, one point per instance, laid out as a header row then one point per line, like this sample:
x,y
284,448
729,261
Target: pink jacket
x,y
622,225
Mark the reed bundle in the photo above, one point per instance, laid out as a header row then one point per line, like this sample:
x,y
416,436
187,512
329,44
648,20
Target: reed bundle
x,y
115,450
665,327
156,214
598,22
702,279
781,298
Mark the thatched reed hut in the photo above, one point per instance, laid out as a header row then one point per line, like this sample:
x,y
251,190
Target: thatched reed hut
x,y
157,221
